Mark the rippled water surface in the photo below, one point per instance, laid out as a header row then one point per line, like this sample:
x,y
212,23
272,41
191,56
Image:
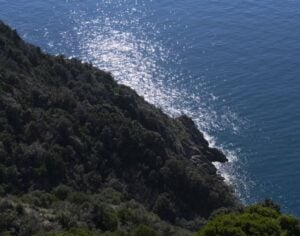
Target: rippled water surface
x,y
233,66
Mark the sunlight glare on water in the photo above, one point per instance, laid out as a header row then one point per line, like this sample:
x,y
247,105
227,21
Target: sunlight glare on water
x,y
123,46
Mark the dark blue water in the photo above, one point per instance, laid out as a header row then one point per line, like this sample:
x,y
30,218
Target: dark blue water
x,y
234,66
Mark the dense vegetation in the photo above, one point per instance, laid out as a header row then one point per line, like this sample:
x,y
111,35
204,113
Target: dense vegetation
x,y
81,153
262,219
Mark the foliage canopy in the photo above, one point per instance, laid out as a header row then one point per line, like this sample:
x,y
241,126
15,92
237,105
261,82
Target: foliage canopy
x,y
262,219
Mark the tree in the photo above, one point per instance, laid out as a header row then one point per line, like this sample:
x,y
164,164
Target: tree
x,y
258,219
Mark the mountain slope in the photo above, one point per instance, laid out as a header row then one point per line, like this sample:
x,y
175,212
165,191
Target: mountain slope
x,y
68,130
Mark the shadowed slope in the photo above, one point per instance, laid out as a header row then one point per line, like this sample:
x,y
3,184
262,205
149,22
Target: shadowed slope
x,y
63,122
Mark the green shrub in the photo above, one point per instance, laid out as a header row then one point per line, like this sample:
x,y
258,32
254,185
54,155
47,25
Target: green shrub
x,y
144,230
261,219
164,207
71,232
78,198
62,192
105,218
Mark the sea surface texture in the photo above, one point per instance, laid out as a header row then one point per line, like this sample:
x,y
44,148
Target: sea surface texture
x,y
232,65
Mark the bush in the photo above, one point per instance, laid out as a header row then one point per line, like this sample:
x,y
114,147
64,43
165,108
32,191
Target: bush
x,y
164,207
254,220
62,192
105,218
71,232
144,230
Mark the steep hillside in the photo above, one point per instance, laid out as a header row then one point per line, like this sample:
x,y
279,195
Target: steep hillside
x,y
79,150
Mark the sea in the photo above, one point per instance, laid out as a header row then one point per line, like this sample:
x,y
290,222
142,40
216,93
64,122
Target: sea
x,y
232,65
